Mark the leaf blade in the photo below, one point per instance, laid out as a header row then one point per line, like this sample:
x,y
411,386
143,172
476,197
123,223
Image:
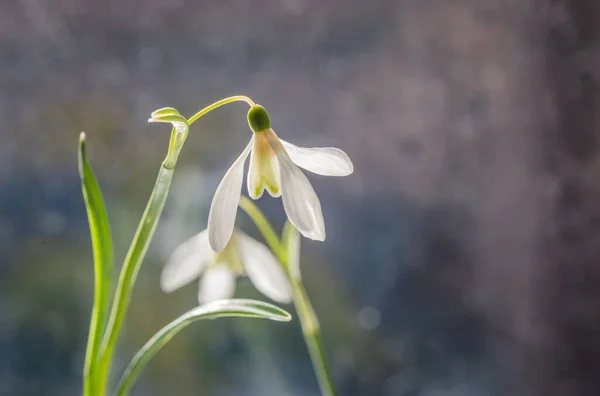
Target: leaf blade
x,y
290,240
103,261
213,310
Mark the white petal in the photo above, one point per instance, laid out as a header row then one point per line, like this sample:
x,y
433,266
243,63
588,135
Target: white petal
x,y
301,204
217,283
186,263
223,210
291,240
326,161
263,269
300,201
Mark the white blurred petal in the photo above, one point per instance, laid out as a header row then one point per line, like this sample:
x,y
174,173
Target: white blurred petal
x,y
326,161
217,283
301,204
291,240
263,172
186,263
223,210
263,269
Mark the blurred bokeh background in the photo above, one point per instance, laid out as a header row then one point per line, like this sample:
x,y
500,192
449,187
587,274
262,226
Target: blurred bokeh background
x,y
462,256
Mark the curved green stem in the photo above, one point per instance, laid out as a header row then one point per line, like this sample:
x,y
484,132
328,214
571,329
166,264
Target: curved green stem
x,y
262,224
311,330
237,98
171,159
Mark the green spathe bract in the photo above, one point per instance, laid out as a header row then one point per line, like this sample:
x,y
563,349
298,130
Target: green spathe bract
x,y
164,112
258,119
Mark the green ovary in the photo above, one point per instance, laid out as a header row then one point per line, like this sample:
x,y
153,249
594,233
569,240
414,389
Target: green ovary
x,y
258,119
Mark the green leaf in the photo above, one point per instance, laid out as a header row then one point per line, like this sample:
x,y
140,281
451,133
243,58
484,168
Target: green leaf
x,y
103,262
216,309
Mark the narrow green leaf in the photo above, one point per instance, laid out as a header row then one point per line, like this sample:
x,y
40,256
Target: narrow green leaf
x,y
103,263
216,309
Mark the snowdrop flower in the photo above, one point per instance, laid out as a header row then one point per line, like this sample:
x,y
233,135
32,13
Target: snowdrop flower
x,y
274,167
242,255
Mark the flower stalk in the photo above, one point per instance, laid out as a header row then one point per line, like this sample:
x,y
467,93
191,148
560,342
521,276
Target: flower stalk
x,y
311,329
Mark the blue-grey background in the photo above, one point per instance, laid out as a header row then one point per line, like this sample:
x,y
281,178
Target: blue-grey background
x,y
462,254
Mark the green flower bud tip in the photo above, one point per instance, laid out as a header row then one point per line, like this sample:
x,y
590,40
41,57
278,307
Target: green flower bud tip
x,y
258,119
82,138
82,144
82,154
164,111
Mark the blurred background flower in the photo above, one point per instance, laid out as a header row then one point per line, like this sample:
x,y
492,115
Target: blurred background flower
x,y
243,255
461,256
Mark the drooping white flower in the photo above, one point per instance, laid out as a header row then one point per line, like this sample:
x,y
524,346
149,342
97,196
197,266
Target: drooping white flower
x,y
274,167
243,255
